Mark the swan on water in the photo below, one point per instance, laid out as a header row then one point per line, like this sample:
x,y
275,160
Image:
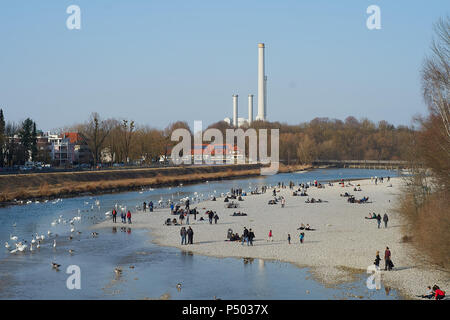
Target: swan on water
x,y
14,238
54,243
7,245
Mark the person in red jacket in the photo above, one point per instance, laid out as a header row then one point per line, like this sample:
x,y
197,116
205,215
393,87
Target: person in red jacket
x,y
387,259
438,293
129,216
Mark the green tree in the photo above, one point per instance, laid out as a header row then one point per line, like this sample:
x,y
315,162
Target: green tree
x,y
26,137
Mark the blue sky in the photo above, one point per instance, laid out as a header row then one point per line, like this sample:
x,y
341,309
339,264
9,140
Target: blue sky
x,y
160,61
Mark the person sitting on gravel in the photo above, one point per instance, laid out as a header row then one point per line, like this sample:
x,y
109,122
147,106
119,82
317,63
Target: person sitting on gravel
x,y
429,294
438,293
235,237
308,227
238,214
302,227
373,216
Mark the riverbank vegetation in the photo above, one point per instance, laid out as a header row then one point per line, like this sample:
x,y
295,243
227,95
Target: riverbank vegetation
x,y
426,200
65,184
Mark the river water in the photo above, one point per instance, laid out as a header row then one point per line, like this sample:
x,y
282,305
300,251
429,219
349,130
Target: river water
x,y
149,270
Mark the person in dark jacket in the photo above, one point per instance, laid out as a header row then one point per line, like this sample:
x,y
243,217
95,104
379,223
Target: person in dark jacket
x,y
379,220
377,259
144,206
216,217
114,215
245,236
385,220
181,217
210,216
150,206
251,236
190,234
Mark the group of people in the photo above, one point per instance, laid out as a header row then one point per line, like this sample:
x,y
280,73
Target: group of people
x,y
123,216
247,236
187,236
307,227
381,179
388,264
301,237
312,200
351,199
434,293
150,206
378,218
212,215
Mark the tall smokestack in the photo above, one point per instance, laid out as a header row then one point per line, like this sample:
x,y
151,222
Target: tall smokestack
x,y
261,84
235,110
250,108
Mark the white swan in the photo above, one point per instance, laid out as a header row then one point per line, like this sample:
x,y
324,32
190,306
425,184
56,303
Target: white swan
x,y
21,247
72,230
49,233
7,245
14,238
54,243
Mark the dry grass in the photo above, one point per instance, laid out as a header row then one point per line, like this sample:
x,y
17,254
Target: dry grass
x,y
428,226
48,185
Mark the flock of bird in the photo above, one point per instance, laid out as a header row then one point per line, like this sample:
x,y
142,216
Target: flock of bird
x,y
37,240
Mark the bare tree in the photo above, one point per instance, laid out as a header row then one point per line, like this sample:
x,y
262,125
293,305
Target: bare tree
x,y
128,132
94,133
435,75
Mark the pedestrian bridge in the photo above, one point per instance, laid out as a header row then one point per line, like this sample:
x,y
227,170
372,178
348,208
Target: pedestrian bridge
x,y
363,164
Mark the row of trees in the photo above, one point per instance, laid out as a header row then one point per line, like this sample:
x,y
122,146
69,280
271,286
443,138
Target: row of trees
x,y
321,138
324,138
123,141
16,151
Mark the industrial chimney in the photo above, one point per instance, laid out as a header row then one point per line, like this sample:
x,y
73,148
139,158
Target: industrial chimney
x,y
235,110
250,109
261,84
